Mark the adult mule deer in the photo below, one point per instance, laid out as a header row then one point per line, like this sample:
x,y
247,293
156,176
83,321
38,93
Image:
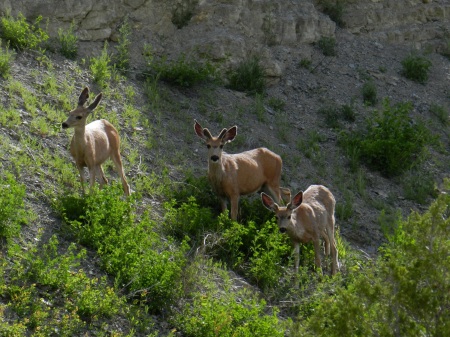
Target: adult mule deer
x,y
233,175
308,217
94,143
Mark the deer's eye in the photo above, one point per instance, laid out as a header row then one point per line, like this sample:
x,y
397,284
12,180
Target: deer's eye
x,y
208,146
78,117
221,146
289,217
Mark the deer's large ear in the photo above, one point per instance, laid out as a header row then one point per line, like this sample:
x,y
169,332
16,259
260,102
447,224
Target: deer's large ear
x,y
201,132
83,96
268,202
229,134
94,104
296,200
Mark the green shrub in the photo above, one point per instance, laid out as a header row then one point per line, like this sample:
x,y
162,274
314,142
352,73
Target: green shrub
x,y
130,249
6,57
12,212
248,77
401,294
22,35
331,114
305,63
327,45
441,114
419,186
122,57
226,311
334,9
369,93
101,67
416,68
182,71
68,42
348,113
182,14
391,142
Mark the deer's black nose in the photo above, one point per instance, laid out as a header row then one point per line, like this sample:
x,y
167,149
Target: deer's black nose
x,y
64,125
282,230
214,158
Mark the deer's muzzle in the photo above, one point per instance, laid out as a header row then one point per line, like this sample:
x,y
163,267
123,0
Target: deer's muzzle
x,y
283,230
64,125
214,158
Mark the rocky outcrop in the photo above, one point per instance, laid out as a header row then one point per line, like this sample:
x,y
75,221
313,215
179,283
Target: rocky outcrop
x,y
231,30
418,23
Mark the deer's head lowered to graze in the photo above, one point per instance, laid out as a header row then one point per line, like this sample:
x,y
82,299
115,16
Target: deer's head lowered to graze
x,y
233,175
94,143
308,217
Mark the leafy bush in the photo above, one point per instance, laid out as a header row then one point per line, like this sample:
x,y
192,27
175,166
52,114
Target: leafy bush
x,y
369,92
226,311
406,293
248,77
416,68
182,14
21,34
101,67
6,57
122,58
327,45
130,249
441,113
68,42
392,142
334,9
419,186
12,212
182,71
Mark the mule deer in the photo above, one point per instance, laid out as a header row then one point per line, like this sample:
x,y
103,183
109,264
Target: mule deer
x,y
308,217
233,175
92,144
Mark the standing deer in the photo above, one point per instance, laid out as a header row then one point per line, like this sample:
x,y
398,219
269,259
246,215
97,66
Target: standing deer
x,y
233,175
308,217
92,144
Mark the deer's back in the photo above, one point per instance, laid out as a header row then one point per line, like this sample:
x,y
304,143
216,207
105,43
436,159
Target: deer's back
x,y
317,208
250,169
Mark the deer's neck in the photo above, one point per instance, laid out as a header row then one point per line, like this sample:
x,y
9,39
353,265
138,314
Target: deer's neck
x,y
216,173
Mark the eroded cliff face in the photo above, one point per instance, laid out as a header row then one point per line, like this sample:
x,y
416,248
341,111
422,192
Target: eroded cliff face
x,y
230,30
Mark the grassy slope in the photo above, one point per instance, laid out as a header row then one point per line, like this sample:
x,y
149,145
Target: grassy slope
x,y
156,125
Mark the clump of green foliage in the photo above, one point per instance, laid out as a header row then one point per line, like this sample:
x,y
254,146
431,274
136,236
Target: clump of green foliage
x,y
369,93
441,113
401,294
12,211
182,14
129,248
416,68
122,57
68,42
419,185
327,45
391,141
22,35
182,71
334,9
248,77
101,67
225,310
6,57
